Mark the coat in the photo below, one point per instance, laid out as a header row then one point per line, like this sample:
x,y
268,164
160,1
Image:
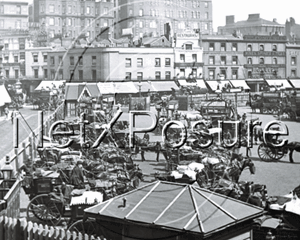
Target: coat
x,y
77,177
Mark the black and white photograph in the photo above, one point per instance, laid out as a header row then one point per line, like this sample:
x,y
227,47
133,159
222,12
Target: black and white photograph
x,y
149,120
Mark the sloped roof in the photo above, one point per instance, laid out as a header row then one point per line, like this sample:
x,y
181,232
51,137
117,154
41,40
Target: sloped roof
x,y
4,96
254,22
48,85
74,90
145,86
177,206
213,84
164,86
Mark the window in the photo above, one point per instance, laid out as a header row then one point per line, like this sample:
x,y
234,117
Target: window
x,y
293,60
51,8
7,73
261,47
36,73
16,73
6,59
250,74
249,48
261,61
45,73
223,60
223,73
60,60
206,15
16,59
211,46
35,57
88,10
194,57
141,25
249,61
18,9
128,62
128,76
69,21
69,9
274,48
182,73
274,72
52,74
60,74
262,74
223,47
139,62
130,12
234,60
1,8
141,12
72,61
1,23
168,75
80,61
234,47
18,24
211,74
293,73
188,46
157,75
105,10
94,59
51,21
274,60
139,76
234,74
182,58
206,4
194,72
157,62
94,74
211,60
6,46
52,60
80,74
167,62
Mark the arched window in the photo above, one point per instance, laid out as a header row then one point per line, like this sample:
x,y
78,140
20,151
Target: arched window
x,y
249,48
262,74
249,61
274,60
261,61
261,48
274,48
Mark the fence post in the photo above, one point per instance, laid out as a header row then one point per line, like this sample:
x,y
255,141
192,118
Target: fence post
x,y
24,152
16,159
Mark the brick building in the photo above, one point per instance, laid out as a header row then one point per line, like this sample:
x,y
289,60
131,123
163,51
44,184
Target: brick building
x,y
138,18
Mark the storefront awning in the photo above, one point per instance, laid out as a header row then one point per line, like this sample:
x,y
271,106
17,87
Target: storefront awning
x,y
295,83
258,80
106,88
214,84
279,83
145,86
4,96
239,83
48,85
125,87
164,86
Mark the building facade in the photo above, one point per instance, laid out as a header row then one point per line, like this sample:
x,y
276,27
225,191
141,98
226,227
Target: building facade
x,y
111,64
223,57
188,55
254,25
265,56
138,18
292,61
13,15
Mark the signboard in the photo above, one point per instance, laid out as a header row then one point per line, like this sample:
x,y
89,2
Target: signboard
x,y
263,53
187,35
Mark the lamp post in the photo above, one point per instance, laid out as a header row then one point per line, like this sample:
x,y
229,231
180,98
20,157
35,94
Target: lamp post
x,y
140,86
7,169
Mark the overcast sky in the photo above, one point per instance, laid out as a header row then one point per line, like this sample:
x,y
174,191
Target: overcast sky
x,y
268,9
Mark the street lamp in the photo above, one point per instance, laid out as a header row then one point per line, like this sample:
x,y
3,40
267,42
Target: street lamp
x,y
7,169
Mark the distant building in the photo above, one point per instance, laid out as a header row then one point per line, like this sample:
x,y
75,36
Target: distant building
x,y
13,15
254,25
292,31
148,18
293,61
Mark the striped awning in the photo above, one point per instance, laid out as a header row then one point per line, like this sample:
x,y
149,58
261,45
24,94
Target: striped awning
x,y
279,83
295,83
239,83
145,86
214,84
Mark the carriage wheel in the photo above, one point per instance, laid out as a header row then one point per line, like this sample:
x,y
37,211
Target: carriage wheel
x,y
88,227
275,153
45,209
292,115
263,152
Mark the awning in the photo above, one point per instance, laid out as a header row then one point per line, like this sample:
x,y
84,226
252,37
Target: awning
x,y
184,83
214,84
48,85
183,208
4,96
279,83
295,83
74,91
164,86
106,88
145,86
239,83
125,87
259,80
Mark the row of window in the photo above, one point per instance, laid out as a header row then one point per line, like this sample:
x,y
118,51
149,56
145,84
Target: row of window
x,y
234,60
181,3
182,57
234,47
158,75
76,22
223,72
16,9
72,60
88,10
139,62
17,24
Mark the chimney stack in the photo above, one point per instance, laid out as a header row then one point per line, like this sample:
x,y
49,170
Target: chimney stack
x,y
230,19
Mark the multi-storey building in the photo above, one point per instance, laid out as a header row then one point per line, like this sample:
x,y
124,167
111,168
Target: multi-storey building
x,y
254,25
104,21
73,17
188,55
223,57
138,18
13,14
292,61
265,56
292,31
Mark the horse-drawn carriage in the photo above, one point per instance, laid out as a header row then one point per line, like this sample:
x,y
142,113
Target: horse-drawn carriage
x,y
268,102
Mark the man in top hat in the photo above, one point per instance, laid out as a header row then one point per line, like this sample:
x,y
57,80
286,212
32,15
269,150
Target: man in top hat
x,y
77,176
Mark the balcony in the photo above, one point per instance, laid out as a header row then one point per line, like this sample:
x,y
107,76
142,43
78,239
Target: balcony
x,y
188,64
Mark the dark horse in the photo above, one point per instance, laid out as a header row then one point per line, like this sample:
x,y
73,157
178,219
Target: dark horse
x,y
292,146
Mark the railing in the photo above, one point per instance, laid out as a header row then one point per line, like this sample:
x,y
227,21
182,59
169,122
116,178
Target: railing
x,y
29,146
16,229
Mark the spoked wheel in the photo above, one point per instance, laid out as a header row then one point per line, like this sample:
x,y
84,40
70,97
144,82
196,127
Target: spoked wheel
x,y
263,152
275,153
88,227
45,209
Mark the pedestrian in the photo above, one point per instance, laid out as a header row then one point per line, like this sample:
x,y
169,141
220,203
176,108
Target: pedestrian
x,y
6,111
77,176
12,117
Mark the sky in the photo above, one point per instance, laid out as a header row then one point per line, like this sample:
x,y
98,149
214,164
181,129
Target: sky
x,y
268,9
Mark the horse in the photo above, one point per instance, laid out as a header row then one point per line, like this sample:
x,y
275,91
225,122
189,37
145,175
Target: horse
x,y
255,194
292,146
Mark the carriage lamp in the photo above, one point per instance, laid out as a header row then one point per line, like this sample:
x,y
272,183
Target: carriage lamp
x,y
7,169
